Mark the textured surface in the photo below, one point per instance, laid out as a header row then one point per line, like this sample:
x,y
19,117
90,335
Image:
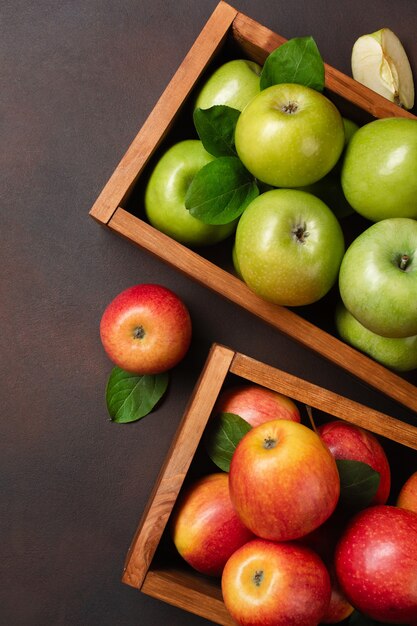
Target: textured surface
x,y
78,80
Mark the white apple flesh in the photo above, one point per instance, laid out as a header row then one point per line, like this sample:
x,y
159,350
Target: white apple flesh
x,y
380,62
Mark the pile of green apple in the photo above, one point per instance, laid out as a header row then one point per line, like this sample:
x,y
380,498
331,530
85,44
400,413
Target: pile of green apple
x,y
277,526
278,168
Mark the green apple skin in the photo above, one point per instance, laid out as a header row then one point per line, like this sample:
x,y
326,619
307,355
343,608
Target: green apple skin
x,y
289,246
350,129
396,353
289,135
165,196
379,173
234,84
329,188
380,294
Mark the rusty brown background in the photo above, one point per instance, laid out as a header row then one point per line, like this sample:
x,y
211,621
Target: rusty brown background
x,y
78,78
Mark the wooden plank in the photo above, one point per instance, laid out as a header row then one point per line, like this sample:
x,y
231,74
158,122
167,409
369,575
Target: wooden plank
x,y
258,41
176,465
286,321
188,591
325,400
164,113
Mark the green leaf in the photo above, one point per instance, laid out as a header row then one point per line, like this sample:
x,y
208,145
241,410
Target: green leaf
x,y
216,128
358,483
130,397
298,60
221,191
223,435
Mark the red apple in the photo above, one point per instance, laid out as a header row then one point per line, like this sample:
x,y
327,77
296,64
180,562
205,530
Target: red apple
x,y
275,584
323,541
146,329
407,498
350,442
205,527
376,563
283,480
256,404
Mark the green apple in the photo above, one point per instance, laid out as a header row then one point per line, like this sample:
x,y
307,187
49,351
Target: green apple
x,y
379,173
329,188
289,135
397,353
350,129
378,278
289,246
234,84
165,196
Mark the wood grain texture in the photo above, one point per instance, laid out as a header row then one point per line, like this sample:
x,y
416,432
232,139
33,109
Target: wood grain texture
x,y
176,465
163,115
176,583
188,591
258,41
310,336
325,400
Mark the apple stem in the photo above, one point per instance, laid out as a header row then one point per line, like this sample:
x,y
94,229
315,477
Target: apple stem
x,y
269,443
290,107
258,577
404,262
300,233
138,332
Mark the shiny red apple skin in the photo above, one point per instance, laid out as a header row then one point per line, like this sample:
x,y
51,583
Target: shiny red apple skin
x,y
146,329
323,541
407,497
376,563
256,404
205,527
275,584
283,480
350,442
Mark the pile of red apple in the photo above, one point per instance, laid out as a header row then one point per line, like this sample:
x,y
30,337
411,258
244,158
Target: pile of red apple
x,y
312,167
272,528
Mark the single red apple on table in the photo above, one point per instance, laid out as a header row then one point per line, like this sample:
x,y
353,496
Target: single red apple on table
x,y
205,527
350,442
275,584
407,497
256,404
376,563
283,480
146,329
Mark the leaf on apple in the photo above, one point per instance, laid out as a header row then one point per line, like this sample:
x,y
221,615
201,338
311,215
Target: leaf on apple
x,y
221,191
298,60
130,397
223,435
216,129
359,483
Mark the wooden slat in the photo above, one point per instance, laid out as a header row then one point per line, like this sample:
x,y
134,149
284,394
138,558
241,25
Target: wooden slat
x,y
286,321
188,591
325,400
259,41
176,465
164,113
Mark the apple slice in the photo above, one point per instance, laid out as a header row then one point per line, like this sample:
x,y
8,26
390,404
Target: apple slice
x,y
380,62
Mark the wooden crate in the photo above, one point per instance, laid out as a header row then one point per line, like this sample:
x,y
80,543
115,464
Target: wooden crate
x,y
152,564
227,34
